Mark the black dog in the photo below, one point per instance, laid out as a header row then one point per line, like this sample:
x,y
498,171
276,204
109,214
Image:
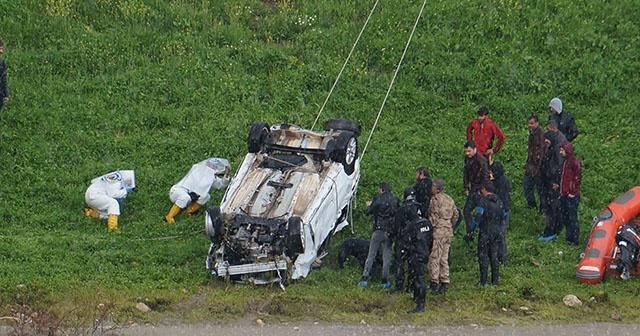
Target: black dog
x,y
358,248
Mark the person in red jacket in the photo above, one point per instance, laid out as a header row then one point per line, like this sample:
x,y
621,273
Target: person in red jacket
x,y
570,179
482,131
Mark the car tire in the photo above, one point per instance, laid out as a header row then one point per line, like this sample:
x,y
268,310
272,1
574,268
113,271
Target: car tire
x,y
213,224
257,136
294,237
343,125
345,151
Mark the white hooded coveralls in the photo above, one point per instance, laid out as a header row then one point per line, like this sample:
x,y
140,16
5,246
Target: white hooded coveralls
x,y
200,178
105,191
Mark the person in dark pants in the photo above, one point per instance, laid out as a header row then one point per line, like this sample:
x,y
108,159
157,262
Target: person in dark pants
x,y
570,180
4,92
475,173
533,165
383,209
489,215
419,238
502,188
404,214
423,190
551,168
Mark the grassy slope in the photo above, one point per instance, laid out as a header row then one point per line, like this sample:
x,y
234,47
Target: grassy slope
x,y
156,86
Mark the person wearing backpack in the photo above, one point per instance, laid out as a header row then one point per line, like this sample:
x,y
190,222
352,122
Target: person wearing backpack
x,y
489,216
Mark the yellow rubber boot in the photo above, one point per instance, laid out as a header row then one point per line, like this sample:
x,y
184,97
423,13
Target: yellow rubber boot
x,y
112,223
89,212
192,208
172,213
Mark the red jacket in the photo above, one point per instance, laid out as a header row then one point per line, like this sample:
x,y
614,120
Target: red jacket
x,y
482,134
571,175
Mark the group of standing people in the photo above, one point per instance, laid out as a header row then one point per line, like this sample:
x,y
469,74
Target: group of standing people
x,y
419,230
553,169
487,189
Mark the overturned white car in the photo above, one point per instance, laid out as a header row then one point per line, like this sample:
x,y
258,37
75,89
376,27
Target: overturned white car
x,y
292,192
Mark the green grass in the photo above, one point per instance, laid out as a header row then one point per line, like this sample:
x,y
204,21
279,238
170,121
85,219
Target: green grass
x,y
156,86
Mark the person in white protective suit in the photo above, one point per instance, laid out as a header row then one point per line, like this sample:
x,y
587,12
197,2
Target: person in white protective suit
x,y
192,191
105,194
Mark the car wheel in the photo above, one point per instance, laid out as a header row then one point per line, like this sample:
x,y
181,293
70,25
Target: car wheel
x,y
343,125
257,136
213,224
345,151
294,237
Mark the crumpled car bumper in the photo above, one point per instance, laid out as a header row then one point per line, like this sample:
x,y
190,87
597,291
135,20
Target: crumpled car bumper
x,y
223,268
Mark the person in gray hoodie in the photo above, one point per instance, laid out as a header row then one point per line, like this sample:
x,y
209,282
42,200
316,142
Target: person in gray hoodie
x,y
566,123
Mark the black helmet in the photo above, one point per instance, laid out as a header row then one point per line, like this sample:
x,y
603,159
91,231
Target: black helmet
x,y
409,192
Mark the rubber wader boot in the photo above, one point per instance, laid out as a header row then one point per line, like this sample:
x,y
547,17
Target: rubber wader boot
x,y
192,208
112,223
172,213
89,212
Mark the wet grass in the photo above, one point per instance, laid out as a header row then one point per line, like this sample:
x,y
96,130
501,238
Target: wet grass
x,y
156,86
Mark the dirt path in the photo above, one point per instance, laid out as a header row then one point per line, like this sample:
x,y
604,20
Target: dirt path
x,y
321,329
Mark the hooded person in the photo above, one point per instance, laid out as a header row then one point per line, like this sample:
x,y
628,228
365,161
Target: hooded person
x,y
404,215
105,194
566,123
192,191
570,180
550,175
502,188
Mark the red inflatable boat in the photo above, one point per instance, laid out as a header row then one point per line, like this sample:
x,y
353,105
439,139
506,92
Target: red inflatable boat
x,y
601,252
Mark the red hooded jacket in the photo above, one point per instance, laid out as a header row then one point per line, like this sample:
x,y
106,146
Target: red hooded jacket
x,y
571,175
482,135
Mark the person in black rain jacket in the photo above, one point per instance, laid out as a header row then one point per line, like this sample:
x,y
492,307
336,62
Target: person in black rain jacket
x,y
404,214
383,209
489,216
418,234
